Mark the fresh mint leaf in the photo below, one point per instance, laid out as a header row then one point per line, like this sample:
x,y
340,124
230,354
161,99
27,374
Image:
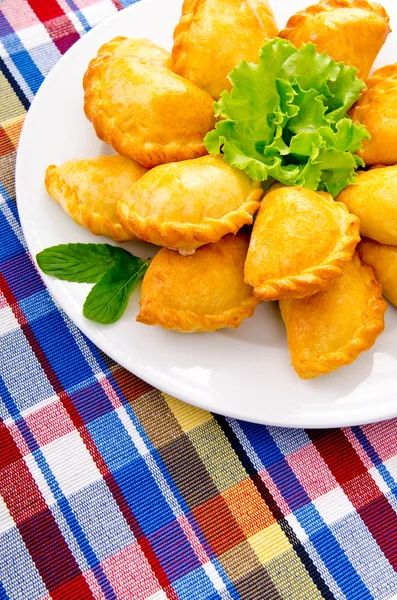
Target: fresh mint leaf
x,y
108,299
115,272
81,263
285,118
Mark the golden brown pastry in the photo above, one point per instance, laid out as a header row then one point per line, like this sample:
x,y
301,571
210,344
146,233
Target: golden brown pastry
x,y
330,330
202,292
146,112
213,36
377,110
383,260
140,48
88,190
300,243
188,204
374,200
349,31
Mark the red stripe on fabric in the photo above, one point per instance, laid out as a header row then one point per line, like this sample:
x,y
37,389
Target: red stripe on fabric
x,y
71,590
36,524
340,456
6,145
64,43
8,453
59,26
63,33
49,9
90,444
140,537
117,4
361,489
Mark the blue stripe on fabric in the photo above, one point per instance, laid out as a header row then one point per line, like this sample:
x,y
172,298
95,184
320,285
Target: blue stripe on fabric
x,y
5,27
99,357
11,204
10,245
20,56
38,305
143,496
157,458
231,590
195,584
376,460
289,440
17,78
3,593
45,57
125,3
146,439
61,350
14,85
104,431
63,503
129,468
101,519
79,14
21,371
92,402
18,573
327,547
175,490
366,556
23,280
174,551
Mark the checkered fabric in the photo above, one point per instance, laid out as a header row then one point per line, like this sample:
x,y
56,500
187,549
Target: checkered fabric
x,y
110,489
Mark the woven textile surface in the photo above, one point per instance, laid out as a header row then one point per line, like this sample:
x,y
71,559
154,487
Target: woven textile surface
x,y
110,489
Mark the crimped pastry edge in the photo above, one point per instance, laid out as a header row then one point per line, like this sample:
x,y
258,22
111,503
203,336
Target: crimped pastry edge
x,y
328,5
91,220
181,34
365,336
147,154
384,78
320,277
109,48
381,75
186,236
152,313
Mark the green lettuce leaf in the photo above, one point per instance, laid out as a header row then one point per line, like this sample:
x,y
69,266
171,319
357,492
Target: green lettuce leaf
x,y
285,118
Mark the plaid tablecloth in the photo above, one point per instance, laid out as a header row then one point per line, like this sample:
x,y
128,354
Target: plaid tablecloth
x,y
110,489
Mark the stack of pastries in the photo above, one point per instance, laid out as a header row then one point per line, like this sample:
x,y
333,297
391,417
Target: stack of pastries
x,y
154,109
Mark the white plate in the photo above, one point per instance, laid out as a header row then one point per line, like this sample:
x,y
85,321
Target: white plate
x,y
244,373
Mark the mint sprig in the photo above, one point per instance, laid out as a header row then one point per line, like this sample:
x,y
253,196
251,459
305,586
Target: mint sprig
x,y
81,263
115,272
108,299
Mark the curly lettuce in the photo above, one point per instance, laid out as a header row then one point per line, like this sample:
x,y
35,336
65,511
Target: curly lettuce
x,y
285,119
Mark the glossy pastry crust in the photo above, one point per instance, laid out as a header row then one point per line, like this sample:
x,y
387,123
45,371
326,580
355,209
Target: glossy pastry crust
x,y
140,48
300,243
213,36
88,190
349,31
188,204
383,260
146,112
377,110
331,329
202,292
374,200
